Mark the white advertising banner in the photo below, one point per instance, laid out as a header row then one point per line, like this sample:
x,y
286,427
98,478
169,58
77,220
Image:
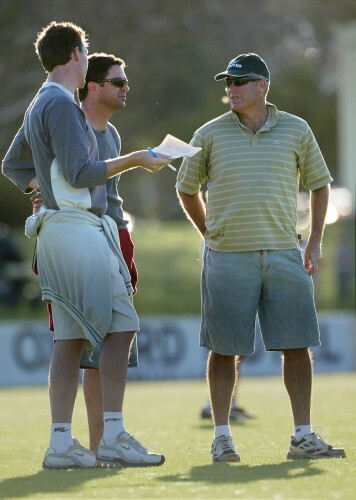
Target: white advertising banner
x,y
169,349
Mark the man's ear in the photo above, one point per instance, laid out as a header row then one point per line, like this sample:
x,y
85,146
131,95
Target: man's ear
x,y
92,86
263,85
76,54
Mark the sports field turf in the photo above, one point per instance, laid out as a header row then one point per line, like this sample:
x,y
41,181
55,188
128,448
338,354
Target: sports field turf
x,y
166,417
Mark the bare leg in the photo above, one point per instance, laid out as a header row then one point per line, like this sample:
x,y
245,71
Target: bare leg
x,y
297,374
94,405
113,369
221,376
63,378
239,360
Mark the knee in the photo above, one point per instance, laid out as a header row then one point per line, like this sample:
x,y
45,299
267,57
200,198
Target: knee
x,y
126,339
297,354
221,359
121,339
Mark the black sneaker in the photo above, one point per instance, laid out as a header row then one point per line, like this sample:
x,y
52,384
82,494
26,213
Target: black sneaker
x,y
206,411
238,413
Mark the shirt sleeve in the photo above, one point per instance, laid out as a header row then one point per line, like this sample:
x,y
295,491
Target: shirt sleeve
x,y
18,165
72,148
116,138
193,171
314,173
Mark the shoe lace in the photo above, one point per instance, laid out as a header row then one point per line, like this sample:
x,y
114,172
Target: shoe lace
x,y
77,446
317,437
135,443
225,443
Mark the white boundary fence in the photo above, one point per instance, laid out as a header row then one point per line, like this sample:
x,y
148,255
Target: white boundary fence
x,y
169,349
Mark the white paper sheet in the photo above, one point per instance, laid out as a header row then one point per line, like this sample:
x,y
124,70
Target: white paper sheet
x,y
175,148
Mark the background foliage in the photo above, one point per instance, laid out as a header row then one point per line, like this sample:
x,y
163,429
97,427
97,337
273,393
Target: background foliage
x,y
173,49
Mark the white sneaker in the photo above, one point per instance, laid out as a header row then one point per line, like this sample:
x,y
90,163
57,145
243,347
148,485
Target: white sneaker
x,y
223,450
74,458
126,452
313,446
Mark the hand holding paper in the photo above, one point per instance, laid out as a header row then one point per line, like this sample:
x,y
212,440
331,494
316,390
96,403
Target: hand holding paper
x,y
150,150
175,148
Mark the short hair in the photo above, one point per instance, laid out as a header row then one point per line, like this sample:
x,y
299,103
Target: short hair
x,y
99,65
55,43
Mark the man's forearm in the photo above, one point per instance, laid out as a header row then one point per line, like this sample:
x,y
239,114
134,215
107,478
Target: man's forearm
x,y
194,208
319,200
121,164
142,159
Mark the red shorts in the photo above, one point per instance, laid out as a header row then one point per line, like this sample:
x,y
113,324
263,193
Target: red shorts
x,y
127,249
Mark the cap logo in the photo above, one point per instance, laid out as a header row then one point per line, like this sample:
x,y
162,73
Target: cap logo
x,y
235,65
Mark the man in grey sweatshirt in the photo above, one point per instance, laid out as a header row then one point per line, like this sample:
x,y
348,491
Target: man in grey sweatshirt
x,y
76,269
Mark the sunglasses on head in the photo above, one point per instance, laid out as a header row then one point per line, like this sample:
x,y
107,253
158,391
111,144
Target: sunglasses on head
x,y
118,82
239,81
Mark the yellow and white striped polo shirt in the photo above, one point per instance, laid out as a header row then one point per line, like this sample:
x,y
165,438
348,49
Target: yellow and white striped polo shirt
x,y
253,179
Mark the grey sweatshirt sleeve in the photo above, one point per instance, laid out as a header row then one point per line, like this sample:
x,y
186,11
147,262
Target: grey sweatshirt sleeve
x,y
71,146
18,165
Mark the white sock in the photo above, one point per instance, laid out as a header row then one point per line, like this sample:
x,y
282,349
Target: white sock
x,y
61,437
113,425
301,430
221,430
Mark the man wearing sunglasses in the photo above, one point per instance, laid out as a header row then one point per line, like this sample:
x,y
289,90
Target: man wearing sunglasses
x,y
104,93
82,271
252,159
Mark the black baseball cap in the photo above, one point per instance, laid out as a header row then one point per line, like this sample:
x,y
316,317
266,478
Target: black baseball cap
x,y
245,65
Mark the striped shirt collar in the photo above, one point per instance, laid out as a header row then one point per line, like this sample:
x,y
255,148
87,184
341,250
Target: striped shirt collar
x,y
270,122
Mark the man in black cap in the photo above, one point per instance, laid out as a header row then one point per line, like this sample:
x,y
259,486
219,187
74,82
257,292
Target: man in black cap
x,y
252,158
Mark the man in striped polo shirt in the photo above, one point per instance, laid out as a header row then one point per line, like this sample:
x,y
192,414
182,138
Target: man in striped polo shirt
x,y
253,158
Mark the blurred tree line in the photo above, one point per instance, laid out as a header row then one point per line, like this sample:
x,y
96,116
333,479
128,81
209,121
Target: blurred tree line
x,y
173,48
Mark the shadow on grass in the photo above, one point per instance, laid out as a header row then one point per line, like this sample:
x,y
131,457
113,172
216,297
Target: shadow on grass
x,y
56,481
226,473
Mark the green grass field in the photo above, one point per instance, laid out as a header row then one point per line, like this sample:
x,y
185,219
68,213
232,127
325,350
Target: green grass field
x,y
166,416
